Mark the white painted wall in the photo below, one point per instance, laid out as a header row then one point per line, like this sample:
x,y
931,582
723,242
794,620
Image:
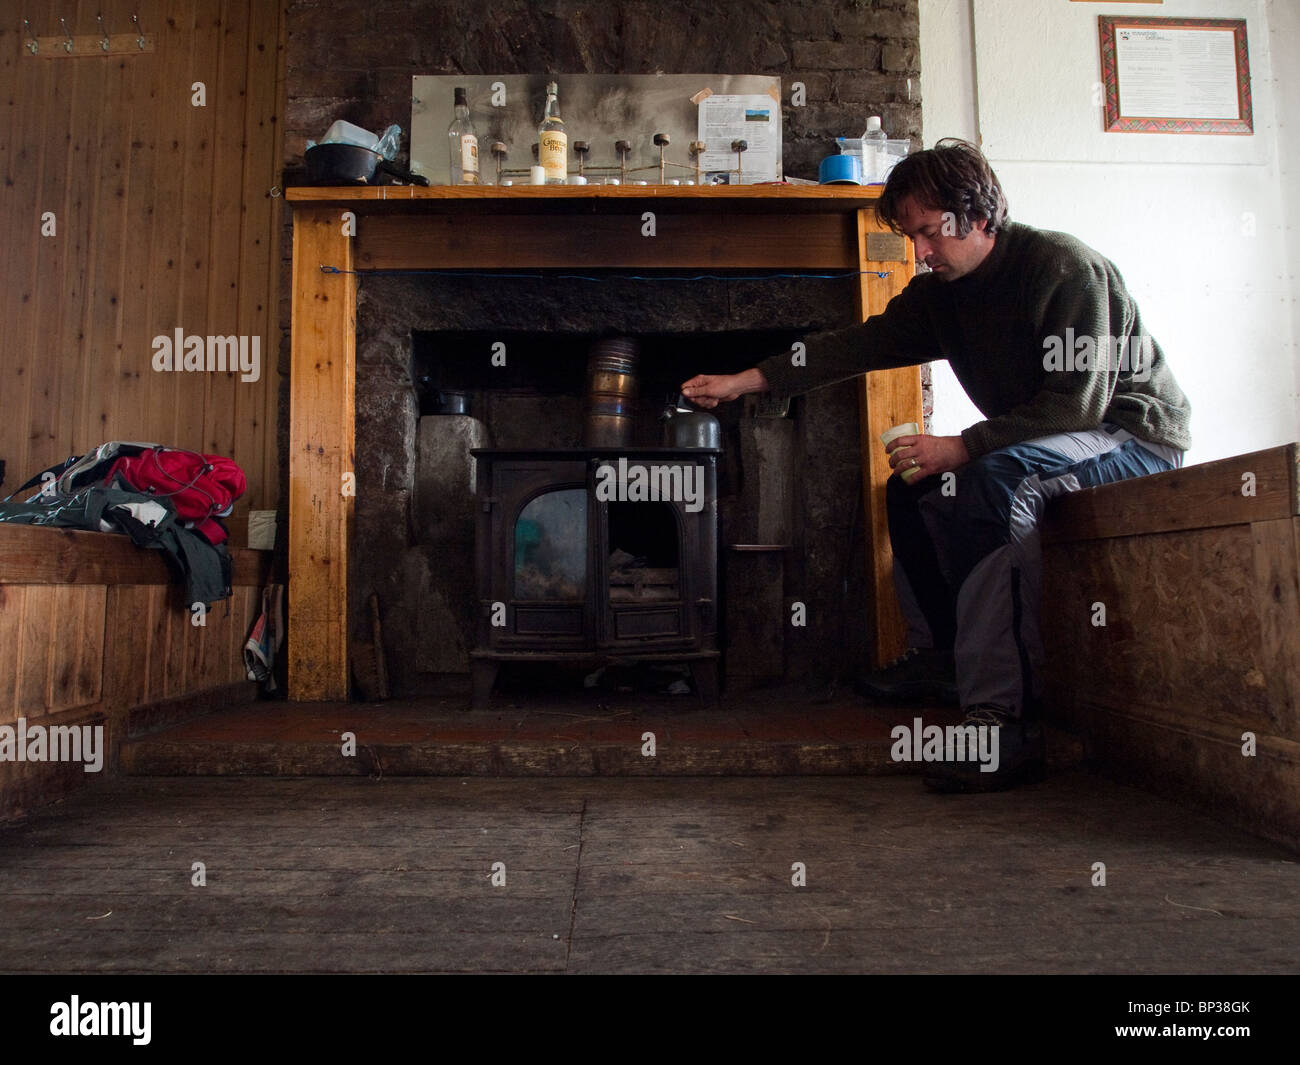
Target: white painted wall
x,y
1203,228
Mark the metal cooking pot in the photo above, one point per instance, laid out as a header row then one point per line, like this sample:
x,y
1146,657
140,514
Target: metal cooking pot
x,y
350,164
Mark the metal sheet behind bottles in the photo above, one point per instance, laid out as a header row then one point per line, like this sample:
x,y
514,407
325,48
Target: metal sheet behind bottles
x,y
597,108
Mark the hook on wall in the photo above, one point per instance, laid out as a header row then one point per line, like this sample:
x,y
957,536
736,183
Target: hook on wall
x,y
66,44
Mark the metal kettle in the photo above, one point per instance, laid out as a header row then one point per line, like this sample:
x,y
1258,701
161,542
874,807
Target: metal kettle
x,y
687,426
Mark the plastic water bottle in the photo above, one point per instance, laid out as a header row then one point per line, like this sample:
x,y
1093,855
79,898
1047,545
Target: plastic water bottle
x,y
874,151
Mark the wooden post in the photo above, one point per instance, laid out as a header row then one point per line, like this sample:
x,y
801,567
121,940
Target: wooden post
x,y
887,397
321,429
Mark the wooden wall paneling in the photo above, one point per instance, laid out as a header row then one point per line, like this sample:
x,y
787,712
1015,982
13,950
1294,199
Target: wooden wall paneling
x,y
52,340
131,416
100,354
12,600
25,151
65,646
275,287
1277,603
235,634
259,252
201,193
886,398
194,640
176,667
76,647
160,605
34,647
88,79
126,622
227,98
113,146
171,107
90,660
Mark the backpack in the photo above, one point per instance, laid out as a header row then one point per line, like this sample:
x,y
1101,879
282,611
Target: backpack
x,y
200,488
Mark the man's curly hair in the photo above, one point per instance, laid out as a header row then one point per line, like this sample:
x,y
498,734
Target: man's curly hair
x,y
952,176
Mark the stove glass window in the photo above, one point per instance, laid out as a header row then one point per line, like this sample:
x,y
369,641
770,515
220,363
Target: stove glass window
x,y
551,546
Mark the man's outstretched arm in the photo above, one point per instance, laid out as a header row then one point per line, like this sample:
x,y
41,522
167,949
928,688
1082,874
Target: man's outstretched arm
x,y
708,390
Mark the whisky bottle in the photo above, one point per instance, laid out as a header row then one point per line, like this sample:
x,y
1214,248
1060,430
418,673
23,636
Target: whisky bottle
x,y
463,146
553,153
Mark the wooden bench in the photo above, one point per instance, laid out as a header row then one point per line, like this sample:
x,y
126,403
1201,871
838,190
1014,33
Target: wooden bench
x,y
91,629
1171,619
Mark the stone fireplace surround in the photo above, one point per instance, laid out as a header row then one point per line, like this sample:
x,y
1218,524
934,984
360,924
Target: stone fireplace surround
x,y
787,480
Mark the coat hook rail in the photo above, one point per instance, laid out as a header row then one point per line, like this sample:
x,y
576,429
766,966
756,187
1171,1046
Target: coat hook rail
x,y
67,44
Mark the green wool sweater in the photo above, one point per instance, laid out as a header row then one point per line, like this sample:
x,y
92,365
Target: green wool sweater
x,y
1027,334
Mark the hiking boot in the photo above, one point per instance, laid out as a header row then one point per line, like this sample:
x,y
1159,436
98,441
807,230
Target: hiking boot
x,y
1017,758
919,673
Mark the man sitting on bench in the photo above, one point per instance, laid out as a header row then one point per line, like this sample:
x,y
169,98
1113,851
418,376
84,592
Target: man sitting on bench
x,y
1049,345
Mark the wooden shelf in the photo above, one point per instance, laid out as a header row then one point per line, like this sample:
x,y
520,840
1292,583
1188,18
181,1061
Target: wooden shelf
x,y
497,199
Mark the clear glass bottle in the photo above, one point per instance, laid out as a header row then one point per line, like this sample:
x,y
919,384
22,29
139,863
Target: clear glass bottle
x,y
874,152
553,153
463,144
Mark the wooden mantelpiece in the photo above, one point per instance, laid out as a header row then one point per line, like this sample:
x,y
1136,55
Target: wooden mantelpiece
x,y
766,227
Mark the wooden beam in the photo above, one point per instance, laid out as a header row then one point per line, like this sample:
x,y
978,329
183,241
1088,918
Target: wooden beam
x,y
476,200
321,427
887,398
706,241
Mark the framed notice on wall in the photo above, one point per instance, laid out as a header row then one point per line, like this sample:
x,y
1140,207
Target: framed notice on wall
x,y
1175,75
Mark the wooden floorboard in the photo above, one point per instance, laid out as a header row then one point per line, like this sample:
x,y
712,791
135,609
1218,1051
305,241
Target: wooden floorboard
x,y
631,875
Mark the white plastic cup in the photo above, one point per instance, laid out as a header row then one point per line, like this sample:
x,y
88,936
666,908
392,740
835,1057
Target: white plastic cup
x,y
537,175
892,434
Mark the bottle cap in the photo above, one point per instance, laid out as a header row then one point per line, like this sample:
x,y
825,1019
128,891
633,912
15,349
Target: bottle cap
x,y
460,97
873,123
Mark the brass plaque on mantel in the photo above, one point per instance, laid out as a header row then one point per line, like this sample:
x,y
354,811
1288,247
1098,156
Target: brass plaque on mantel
x,y
886,248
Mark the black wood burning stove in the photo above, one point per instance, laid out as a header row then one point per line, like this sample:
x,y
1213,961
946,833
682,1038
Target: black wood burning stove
x,y
596,555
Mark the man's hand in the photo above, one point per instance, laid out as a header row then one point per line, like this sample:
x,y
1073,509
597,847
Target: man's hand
x,y
708,390
928,455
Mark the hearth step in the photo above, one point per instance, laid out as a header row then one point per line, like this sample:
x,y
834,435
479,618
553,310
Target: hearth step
x,y
772,733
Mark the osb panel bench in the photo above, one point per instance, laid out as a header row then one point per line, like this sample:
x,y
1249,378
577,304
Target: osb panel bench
x,y
92,628
1171,619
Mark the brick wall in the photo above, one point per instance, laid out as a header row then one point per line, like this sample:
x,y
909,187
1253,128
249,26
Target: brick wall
x,y
855,57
